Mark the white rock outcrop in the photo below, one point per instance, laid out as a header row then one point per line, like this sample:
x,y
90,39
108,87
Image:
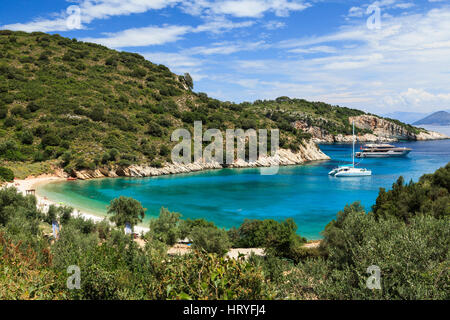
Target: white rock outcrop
x,y
307,152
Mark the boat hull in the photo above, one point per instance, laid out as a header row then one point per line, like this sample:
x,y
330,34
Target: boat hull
x,y
383,155
353,174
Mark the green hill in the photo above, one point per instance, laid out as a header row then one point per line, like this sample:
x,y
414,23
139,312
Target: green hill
x,y
75,105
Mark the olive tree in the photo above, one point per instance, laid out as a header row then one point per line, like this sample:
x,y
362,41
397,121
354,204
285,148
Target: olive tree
x,y
126,211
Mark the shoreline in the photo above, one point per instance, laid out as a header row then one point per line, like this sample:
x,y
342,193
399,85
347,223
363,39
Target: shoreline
x,y
34,182
177,249
58,176
43,202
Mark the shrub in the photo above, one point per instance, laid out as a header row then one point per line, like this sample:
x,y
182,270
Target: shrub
x,y
149,150
113,154
429,196
165,227
138,73
124,163
155,130
156,164
164,150
278,238
210,239
61,214
186,226
10,122
97,114
405,253
50,139
6,174
30,275
3,112
27,137
111,61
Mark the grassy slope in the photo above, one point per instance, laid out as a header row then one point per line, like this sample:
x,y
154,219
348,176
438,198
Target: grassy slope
x,y
81,105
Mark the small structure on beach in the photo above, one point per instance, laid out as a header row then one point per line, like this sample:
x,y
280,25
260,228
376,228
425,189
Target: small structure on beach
x,y
31,192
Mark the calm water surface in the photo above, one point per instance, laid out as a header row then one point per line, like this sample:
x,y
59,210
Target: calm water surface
x,y
305,193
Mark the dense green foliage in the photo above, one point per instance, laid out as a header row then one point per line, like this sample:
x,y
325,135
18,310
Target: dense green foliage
x,y
407,235
165,227
278,238
204,235
210,239
6,174
126,210
430,196
83,106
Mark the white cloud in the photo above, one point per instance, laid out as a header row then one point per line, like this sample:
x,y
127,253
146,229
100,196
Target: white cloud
x,y
317,49
91,10
419,99
140,37
274,25
103,9
369,69
356,12
174,60
404,5
384,5
154,35
244,8
226,48
43,25
256,8
220,24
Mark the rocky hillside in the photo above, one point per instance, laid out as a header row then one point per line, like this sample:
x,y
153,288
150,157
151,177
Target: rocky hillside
x,y
371,129
82,107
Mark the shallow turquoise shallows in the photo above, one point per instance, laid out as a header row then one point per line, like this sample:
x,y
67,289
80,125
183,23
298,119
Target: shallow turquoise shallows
x,y
305,193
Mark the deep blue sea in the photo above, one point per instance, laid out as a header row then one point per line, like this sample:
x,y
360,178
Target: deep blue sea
x,y
305,193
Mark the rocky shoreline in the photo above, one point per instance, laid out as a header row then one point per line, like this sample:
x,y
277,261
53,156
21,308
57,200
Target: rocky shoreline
x,y
383,131
309,151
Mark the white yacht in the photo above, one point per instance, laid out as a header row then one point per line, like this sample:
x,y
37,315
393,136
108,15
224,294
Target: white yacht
x,y
382,151
350,170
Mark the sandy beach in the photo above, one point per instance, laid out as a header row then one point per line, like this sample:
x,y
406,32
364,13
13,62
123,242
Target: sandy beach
x,y
32,183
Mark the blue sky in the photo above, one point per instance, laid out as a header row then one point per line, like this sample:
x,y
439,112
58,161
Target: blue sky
x,y
261,49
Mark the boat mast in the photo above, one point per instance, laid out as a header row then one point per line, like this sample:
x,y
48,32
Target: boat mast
x,y
353,150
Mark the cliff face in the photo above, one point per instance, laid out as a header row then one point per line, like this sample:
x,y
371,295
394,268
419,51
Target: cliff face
x,y
308,152
383,130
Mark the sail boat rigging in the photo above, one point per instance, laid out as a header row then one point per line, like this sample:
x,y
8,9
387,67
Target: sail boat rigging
x,y
350,171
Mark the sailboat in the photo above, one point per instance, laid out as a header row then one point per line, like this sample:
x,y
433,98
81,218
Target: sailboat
x,y
350,171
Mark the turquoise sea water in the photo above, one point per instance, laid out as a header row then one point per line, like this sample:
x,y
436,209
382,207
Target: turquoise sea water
x,y
305,193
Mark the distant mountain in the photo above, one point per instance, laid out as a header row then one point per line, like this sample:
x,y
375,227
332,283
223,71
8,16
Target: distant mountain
x,y
406,117
441,118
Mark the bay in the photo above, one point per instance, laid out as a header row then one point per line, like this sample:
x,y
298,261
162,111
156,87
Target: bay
x,y
305,193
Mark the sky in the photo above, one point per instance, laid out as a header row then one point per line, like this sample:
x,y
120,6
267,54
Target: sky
x,y
380,57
